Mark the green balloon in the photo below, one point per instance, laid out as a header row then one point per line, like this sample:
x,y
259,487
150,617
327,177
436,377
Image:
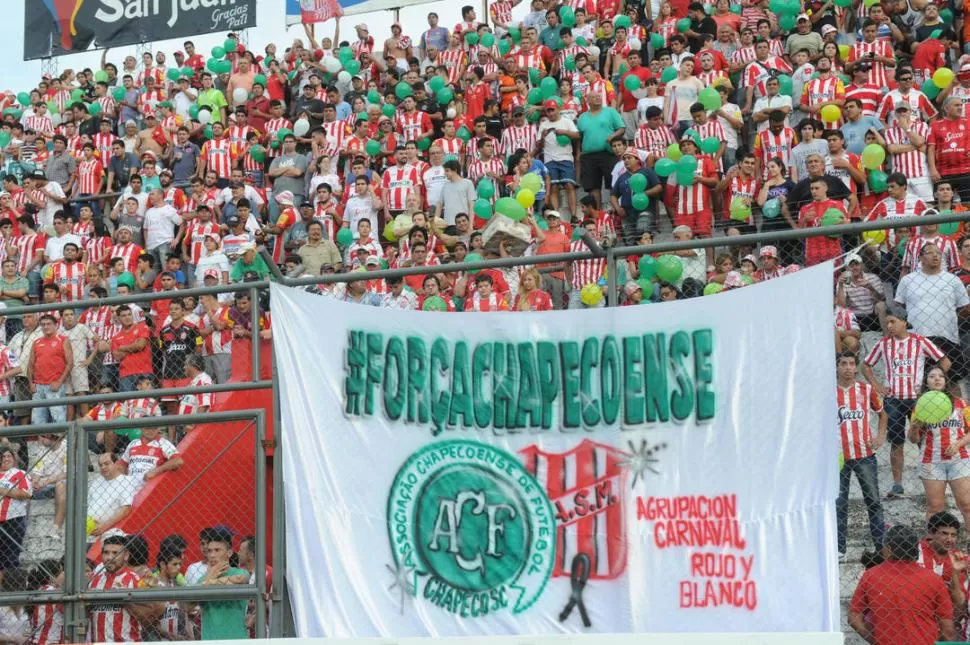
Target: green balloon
x,y
345,54
172,74
510,208
656,41
563,140
930,89
282,134
471,38
389,110
434,303
646,286
946,15
101,76
488,40
534,75
582,42
668,74
786,22
94,109
549,87
218,52
372,147
374,97
208,133
713,287
260,79
570,63
52,107
535,96
683,25
225,66
710,145
785,84
436,84
638,183
77,95
877,181
402,90
533,116
736,8
640,202
424,144
772,208
631,83
622,21
504,47
648,266
949,228
118,93
230,44
486,189
577,233
193,112
352,67
664,167
710,99
463,134
669,268
483,208
258,153
127,278
473,257
345,237
445,96
568,16
832,217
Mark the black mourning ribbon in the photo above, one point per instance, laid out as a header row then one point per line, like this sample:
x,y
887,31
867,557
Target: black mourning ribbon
x,y
577,578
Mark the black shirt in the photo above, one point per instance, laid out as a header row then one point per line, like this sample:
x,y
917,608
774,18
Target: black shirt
x,y
801,194
177,344
705,25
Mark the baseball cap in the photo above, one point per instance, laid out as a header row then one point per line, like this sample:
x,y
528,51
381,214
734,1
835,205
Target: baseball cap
x,y
38,174
149,114
828,29
210,273
683,228
853,257
550,104
165,104
362,25
232,220
215,236
518,109
373,260
802,16
733,280
631,287
964,71
130,123
247,246
902,107
555,214
769,252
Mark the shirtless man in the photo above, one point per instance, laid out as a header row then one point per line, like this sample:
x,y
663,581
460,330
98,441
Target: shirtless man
x,y
149,137
399,47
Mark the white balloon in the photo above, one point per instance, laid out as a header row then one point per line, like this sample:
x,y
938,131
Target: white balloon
x,y
343,76
451,113
635,44
239,95
301,127
593,50
205,116
331,64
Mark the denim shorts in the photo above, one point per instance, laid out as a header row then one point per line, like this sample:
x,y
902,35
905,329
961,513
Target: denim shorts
x,y
561,172
945,471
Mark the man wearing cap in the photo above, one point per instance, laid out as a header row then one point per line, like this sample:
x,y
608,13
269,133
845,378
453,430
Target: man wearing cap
x,y
556,142
635,222
884,611
250,263
183,98
518,134
152,138
804,38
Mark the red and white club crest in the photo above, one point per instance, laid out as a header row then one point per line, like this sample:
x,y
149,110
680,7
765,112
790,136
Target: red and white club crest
x,y
586,486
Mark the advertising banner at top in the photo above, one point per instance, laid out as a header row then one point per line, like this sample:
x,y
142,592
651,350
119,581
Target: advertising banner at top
x,y
59,27
311,11
662,468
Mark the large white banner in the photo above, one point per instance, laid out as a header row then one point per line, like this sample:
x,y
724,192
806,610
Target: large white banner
x,y
660,468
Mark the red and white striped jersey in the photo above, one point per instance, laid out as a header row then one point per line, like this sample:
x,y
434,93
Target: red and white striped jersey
x,y
940,436
453,60
696,198
602,87
98,320
823,90
325,213
515,137
493,302
843,173
113,623
360,46
855,423
70,277
529,60
190,403
90,174
742,55
478,169
195,238
336,134
714,129
129,252
237,135
108,105
412,125
845,319
904,360
219,341
397,183
61,99
888,208
919,106
758,71
103,143
566,52
708,78
273,126
951,254
501,12
767,146
141,456
154,73
140,408
741,186
27,247
870,95
47,622
453,146
878,74
175,198
39,123
8,360
218,156
83,230
587,271
912,163
11,508
654,141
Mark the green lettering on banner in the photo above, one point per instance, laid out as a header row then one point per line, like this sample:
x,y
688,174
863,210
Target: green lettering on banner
x,y
658,405
505,385
529,408
482,374
571,408
588,360
461,388
395,378
440,398
633,381
375,369
610,380
418,381
549,385
682,399
704,373
354,382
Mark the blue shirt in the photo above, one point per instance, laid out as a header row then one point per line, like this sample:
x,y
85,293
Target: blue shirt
x,y
855,133
343,110
540,169
621,187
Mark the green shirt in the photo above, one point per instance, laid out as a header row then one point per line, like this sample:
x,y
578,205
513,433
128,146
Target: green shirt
x,y
225,620
240,269
18,283
598,128
215,101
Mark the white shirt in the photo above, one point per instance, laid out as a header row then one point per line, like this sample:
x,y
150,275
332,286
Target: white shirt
x,y
217,261
250,193
551,149
433,179
45,217
54,250
775,102
107,496
931,302
196,572
730,134
160,225
141,198
359,208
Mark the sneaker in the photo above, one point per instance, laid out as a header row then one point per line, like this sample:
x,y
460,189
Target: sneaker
x,y
895,492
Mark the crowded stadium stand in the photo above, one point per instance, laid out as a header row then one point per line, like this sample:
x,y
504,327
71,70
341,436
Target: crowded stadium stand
x,y
744,141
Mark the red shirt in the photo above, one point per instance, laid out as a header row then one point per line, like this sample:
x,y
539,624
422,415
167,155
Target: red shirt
x,y
952,141
136,362
629,100
906,600
475,96
49,360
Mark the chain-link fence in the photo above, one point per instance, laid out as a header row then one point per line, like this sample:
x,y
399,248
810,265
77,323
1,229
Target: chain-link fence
x,y
899,312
